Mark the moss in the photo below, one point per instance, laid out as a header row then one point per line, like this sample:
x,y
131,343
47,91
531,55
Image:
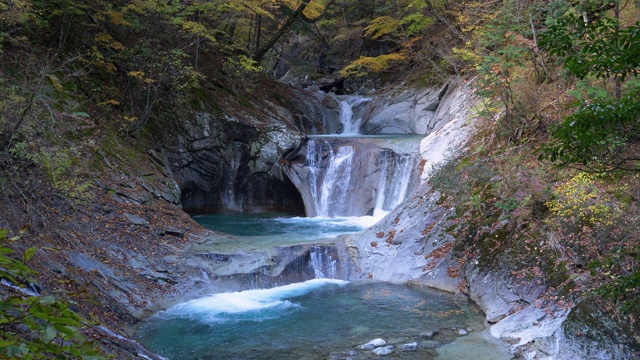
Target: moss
x,y
588,323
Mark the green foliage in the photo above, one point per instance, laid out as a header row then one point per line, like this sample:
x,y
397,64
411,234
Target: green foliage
x,y
623,289
598,137
34,326
60,167
602,133
416,23
598,48
504,60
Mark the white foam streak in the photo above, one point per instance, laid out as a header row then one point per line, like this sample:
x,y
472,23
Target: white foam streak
x,y
361,222
246,301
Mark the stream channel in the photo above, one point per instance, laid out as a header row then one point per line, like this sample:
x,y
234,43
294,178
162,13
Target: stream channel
x,y
325,317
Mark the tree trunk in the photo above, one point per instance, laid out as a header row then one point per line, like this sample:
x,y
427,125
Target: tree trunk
x,y
453,28
282,29
285,25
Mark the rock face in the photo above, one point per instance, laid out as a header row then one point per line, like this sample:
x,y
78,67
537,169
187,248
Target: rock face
x,y
260,268
412,245
230,162
407,112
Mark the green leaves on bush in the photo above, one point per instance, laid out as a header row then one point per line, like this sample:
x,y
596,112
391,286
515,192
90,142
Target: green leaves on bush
x,y
598,136
34,326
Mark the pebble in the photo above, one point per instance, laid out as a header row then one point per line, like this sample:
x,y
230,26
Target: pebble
x,y
429,334
410,346
383,350
373,344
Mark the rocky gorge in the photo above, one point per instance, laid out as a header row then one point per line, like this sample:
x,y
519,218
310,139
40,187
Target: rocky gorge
x,y
259,160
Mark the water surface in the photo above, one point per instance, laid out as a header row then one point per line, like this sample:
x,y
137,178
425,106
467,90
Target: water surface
x,y
258,230
317,319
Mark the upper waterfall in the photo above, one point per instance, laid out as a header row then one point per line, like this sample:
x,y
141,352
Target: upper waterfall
x,y
351,122
370,158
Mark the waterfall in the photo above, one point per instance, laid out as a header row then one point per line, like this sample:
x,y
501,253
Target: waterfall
x,y
329,177
350,125
322,263
395,176
353,176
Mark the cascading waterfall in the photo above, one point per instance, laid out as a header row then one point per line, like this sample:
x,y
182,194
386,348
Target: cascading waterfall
x,y
341,178
354,176
329,187
323,264
351,125
395,176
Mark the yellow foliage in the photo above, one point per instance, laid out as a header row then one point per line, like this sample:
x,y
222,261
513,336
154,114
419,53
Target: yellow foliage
x,y
579,198
365,65
110,102
140,75
55,82
108,41
136,74
381,26
467,56
117,18
198,29
313,9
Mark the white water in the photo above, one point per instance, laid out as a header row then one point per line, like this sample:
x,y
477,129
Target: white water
x,y
211,309
395,176
323,264
329,186
351,125
332,179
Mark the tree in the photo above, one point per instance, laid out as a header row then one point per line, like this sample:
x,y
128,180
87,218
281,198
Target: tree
x,y
284,25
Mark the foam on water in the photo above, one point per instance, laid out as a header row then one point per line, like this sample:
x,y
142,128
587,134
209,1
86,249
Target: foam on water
x,y
335,224
209,308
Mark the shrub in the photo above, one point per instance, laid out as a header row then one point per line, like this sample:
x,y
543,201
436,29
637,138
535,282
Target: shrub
x,y
34,326
579,201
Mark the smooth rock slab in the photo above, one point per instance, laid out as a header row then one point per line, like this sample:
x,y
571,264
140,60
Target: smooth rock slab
x,y
136,220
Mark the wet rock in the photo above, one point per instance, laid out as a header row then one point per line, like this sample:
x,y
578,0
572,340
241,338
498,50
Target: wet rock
x,y
428,334
384,350
330,102
378,342
462,332
410,346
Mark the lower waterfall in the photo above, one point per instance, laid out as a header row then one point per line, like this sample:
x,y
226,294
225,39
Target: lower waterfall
x,y
322,262
395,176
